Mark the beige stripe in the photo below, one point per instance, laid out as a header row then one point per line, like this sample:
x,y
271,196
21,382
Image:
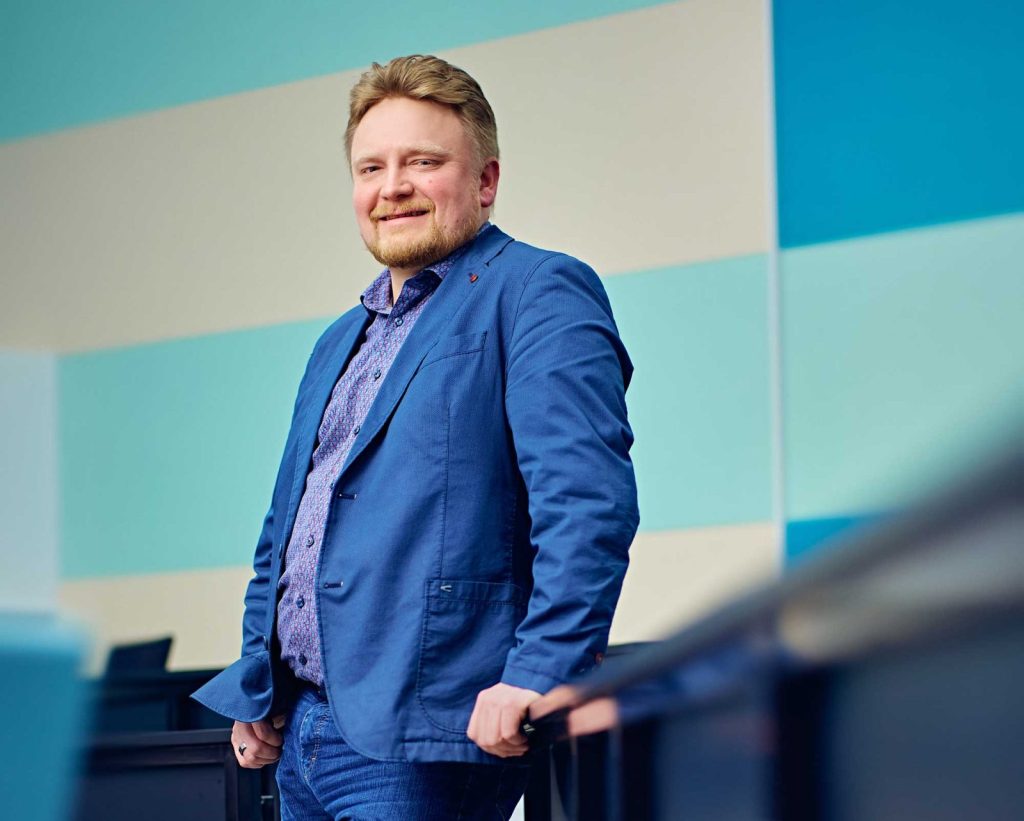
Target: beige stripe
x,y
674,578
633,141
201,609
678,576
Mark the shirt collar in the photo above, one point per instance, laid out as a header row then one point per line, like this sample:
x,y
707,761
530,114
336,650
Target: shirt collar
x,y
377,296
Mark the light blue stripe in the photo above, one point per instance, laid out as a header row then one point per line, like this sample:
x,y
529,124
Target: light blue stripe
x,y
893,115
699,403
903,362
28,480
67,62
169,450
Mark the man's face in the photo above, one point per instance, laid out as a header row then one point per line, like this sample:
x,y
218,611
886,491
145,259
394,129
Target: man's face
x,y
419,192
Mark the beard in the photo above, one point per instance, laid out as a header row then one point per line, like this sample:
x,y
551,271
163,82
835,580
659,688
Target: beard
x,y
400,251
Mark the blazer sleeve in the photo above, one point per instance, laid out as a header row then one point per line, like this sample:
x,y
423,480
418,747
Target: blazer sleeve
x,y
567,373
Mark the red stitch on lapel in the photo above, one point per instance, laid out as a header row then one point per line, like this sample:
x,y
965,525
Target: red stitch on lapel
x,y
473,277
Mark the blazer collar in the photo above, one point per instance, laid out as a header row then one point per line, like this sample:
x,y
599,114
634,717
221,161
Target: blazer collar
x,y
447,299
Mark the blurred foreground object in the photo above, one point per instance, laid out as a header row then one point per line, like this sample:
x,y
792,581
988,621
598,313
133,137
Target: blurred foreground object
x,y
879,680
43,715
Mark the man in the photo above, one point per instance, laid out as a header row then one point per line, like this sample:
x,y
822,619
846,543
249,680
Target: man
x,y
449,528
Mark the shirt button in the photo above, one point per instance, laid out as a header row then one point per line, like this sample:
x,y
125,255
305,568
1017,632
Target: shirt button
x,y
356,430
302,658
399,321
300,602
376,374
310,540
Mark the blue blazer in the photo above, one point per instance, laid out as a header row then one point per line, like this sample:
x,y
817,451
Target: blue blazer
x,y
480,524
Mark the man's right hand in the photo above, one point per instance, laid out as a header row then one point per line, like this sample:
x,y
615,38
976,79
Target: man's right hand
x,y
260,742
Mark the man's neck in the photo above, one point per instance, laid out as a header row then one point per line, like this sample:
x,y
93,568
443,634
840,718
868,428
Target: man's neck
x,y
400,276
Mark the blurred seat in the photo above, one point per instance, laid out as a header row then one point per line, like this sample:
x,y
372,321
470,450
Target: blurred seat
x,y
140,657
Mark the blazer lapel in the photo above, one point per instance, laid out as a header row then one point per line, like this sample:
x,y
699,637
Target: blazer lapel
x,y
319,394
444,303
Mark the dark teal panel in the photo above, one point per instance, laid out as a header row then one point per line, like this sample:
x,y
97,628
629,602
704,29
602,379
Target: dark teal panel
x,y
899,114
807,536
66,62
169,450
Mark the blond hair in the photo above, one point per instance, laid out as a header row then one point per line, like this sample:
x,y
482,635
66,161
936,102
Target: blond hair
x,y
425,77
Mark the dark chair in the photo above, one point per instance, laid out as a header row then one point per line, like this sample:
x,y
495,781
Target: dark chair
x,y
142,657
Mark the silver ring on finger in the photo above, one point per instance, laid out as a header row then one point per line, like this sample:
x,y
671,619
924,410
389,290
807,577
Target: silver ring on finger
x,y
242,748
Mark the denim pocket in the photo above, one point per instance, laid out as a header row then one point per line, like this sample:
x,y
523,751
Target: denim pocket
x,y
468,629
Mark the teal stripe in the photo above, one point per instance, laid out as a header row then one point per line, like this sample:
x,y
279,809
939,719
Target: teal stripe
x,y
66,63
902,361
699,403
169,450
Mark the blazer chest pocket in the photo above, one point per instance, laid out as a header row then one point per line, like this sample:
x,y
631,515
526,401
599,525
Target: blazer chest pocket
x,y
458,345
468,629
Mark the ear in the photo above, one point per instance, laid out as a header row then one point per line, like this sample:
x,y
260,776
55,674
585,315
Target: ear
x,y
489,182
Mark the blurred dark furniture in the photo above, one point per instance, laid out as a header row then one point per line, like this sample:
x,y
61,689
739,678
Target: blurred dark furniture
x,y
151,702
881,680
172,776
156,754
140,657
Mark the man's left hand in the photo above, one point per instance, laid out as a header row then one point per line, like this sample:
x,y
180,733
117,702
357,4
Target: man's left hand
x,y
494,725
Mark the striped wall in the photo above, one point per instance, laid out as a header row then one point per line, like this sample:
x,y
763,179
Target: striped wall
x,y
176,230
901,227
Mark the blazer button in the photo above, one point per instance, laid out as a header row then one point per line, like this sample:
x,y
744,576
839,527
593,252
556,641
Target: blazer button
x,y
266,642
310,540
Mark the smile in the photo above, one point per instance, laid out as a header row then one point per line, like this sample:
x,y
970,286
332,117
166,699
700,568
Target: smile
x,y
404,215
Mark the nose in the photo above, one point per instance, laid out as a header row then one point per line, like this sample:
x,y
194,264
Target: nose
x,y
396,184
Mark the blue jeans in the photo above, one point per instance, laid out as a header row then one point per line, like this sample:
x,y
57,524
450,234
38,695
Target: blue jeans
x,y
321,777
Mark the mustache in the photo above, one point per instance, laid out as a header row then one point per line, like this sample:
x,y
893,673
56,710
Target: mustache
x,y
380,213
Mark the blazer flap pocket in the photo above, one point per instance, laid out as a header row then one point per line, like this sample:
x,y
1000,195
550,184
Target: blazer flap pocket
x,y
456,345
464,590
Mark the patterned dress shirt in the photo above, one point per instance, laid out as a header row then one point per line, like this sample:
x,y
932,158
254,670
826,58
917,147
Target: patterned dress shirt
x,y
298,629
